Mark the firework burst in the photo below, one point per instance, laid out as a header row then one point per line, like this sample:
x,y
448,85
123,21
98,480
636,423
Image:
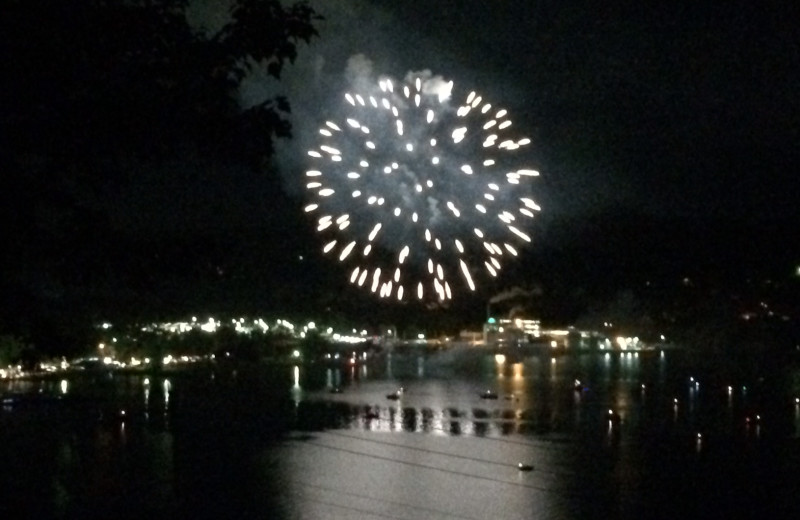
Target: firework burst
x,y
421,197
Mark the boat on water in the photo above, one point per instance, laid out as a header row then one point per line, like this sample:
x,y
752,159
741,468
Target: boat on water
x,y
488,394
394,396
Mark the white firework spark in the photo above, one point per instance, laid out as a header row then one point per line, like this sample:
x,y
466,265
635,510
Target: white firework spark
x,y
420,195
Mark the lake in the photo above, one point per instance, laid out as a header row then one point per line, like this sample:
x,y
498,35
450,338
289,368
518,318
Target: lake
x,y
471,436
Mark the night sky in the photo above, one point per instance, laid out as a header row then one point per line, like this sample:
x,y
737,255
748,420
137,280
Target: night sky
x,y
667,133
686,110
662,133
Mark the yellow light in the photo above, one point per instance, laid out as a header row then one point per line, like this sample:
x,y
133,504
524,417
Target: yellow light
x,y
499,359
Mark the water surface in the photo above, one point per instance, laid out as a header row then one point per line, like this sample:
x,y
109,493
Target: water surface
x,y
640,436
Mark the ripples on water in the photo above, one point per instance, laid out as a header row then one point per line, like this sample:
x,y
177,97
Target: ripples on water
x,y
618,435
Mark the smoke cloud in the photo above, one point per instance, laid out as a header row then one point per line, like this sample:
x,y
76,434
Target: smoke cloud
x,y
514,292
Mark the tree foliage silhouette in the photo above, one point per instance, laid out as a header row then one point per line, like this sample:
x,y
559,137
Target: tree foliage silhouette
x,y
93,88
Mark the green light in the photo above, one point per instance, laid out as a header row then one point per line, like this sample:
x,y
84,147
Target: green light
x,y
492,320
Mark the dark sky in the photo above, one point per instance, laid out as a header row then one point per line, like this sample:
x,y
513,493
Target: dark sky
x,y
687,109
685,113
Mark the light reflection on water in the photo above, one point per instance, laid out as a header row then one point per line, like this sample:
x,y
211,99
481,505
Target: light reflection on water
x,y
649,428
538,395
659,439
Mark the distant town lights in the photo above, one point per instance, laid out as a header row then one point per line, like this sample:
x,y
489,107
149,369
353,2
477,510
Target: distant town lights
x,y
209,326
